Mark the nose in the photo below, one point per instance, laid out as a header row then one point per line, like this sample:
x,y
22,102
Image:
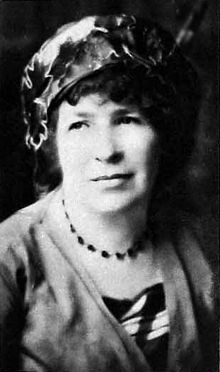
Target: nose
x,y
107,148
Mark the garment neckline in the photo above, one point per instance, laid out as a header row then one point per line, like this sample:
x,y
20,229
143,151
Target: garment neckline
x,y
138,295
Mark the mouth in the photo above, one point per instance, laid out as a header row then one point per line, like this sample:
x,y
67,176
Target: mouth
x,y
113,176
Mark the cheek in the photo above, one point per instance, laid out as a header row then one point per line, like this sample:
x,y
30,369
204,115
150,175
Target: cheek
x,y
143,148
71,157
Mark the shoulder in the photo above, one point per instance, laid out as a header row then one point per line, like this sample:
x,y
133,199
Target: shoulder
x,y
16,231
20,222
191,249
185,232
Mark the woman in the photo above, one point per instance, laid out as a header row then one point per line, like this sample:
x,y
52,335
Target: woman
x,y
96,275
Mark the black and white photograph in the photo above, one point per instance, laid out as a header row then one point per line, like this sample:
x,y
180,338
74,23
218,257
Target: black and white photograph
x,y
109,186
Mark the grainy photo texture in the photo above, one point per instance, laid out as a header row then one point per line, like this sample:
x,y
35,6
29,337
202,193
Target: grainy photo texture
x,y
108,186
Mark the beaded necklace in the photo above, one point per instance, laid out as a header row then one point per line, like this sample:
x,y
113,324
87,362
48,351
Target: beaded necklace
x,y
131,252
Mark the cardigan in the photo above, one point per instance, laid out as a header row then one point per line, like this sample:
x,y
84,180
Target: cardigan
x,y
53,318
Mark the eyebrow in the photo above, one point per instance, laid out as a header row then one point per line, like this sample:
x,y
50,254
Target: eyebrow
x,y
121,111
125,111
83,114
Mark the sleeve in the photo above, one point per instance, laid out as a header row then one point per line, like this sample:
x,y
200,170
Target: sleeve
x,y
12,314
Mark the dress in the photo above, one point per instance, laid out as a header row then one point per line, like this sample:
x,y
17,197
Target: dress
x,y
53,318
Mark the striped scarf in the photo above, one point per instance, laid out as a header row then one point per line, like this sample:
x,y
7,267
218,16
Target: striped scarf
x,y
145,318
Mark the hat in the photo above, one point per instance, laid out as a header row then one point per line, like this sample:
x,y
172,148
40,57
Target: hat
x,y
79,49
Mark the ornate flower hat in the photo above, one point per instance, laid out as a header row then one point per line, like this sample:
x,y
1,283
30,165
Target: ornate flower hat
x,y
92,44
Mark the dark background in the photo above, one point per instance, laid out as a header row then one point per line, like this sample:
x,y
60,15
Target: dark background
x,y
24,25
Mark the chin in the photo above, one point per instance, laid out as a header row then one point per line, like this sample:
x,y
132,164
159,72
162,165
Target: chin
x,y
113,204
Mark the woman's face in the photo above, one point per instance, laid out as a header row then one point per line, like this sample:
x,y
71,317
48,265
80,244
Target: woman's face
x,y
108,154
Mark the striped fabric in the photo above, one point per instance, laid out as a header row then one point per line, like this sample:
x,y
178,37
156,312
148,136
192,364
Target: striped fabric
x,y
145,318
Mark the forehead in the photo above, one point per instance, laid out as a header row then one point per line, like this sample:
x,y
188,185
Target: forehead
x,y
95,104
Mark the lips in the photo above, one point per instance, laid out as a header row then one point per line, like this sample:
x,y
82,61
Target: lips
x,y
113,176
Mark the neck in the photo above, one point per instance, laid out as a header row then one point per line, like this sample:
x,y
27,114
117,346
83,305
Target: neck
x,y
113,231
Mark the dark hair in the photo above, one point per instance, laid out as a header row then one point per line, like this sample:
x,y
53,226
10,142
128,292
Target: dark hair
x,y
171,109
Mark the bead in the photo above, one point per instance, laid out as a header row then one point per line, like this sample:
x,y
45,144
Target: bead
x,y
91,248
105,254
120,256
130,252
80,240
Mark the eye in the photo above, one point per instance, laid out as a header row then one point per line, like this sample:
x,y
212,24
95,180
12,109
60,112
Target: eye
x,y
127,120
78,125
